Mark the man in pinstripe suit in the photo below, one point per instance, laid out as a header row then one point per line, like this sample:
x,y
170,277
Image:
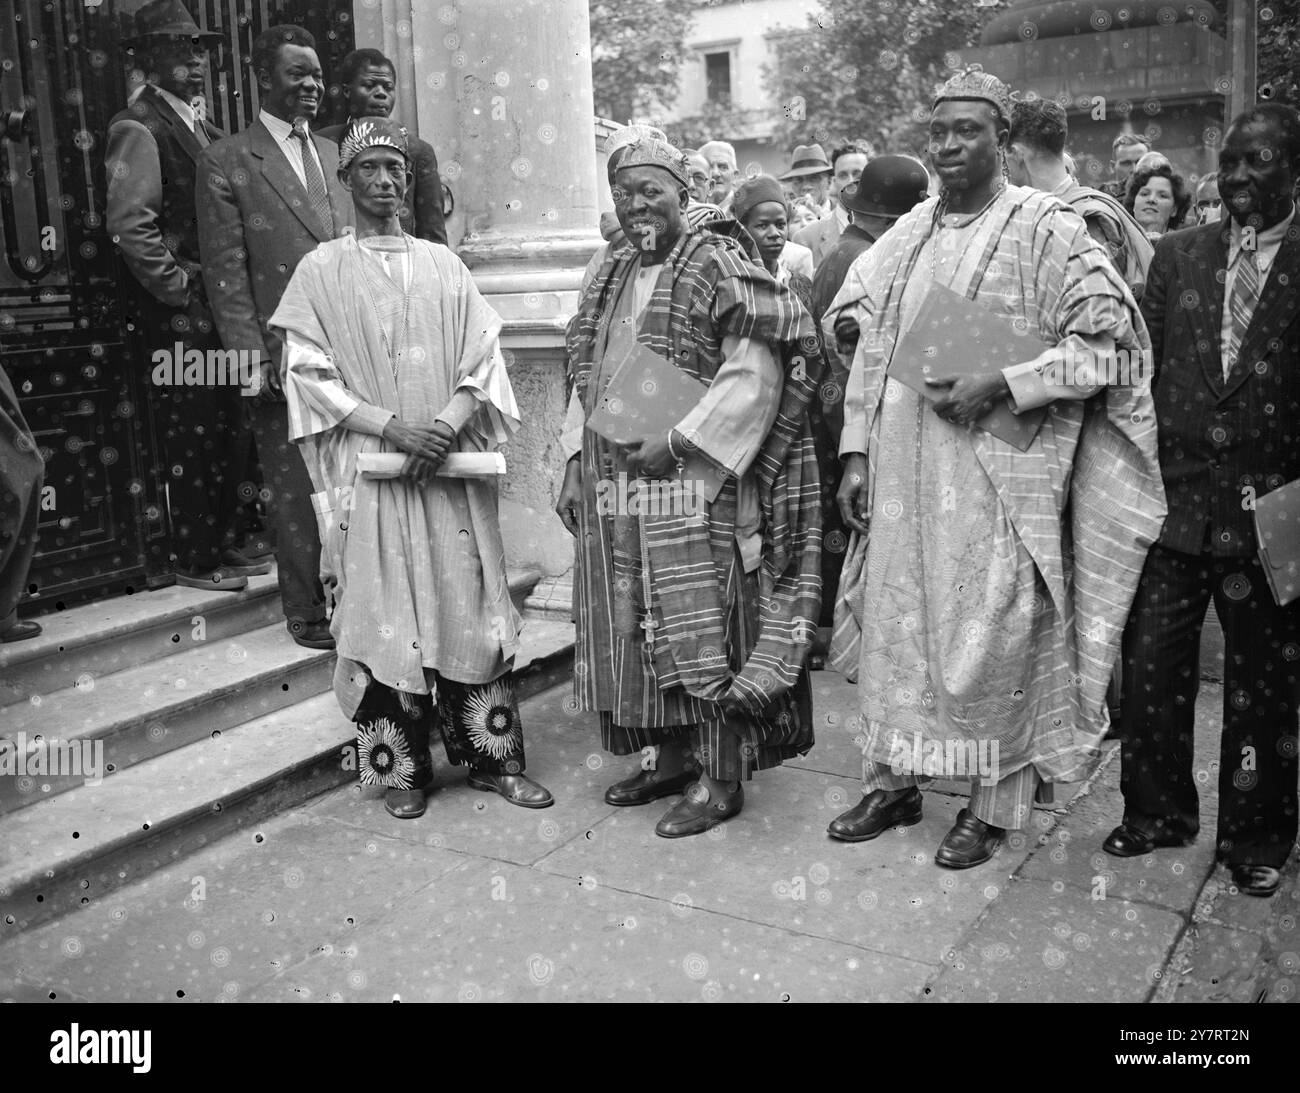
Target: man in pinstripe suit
x,y
1224,315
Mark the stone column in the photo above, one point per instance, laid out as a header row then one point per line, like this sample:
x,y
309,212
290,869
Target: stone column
x,y
502,90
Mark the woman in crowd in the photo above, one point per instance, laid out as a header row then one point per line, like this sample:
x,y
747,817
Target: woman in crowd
x,y
1158,199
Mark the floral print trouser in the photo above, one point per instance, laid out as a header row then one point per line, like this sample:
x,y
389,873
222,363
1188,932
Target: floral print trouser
x,y
479,722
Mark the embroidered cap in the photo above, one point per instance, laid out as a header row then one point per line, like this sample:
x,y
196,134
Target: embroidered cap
x,y
363,133
974,83
649,152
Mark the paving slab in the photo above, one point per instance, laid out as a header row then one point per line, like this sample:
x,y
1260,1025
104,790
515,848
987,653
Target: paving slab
x,y
496,932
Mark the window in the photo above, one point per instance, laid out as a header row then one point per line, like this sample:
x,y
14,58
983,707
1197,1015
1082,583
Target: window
x,y
717,77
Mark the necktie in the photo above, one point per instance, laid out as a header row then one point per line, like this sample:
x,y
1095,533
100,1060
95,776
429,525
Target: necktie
x,y
316,192
1245,294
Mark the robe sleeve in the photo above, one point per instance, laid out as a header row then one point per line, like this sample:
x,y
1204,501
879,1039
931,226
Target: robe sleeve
x,y
318,399
1065,372
481,371
731,421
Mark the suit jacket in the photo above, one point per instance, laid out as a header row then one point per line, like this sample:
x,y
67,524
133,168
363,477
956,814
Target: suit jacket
x,y
150,162
255,224
1221,443
819,237
422,207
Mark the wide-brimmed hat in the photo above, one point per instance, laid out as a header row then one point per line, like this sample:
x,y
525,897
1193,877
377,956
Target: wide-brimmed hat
x,y
167,19
889,187
808,159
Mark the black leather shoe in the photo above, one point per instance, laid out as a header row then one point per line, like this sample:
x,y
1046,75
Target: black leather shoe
x,y
220,579
238,563
878,811
518,789
21,631
970,842
405,804
1256,880
1127,841
311,635
647,786
696,812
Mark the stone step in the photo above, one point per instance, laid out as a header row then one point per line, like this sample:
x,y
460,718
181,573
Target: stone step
x,y
69,849
97,639
552,598
102,726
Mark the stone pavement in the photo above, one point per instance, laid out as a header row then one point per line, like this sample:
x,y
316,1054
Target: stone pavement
x,y
479,900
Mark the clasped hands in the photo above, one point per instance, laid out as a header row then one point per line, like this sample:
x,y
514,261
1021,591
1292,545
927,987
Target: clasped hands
x,y
969,398
426,446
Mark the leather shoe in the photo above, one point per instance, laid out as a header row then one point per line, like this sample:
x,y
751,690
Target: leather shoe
x,y
234,561
1256,880
647,786
696,812
1127,841
518,789
970,842
21,631
405,804
311,635
220,579
878,811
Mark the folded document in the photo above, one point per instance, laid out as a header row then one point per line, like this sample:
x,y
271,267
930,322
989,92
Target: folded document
x,y
455,465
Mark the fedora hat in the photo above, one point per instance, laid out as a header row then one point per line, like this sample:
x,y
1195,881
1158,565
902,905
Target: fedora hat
x,y
890,186
808,159
167,19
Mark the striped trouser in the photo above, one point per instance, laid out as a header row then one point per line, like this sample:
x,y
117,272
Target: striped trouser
x,y
1008,803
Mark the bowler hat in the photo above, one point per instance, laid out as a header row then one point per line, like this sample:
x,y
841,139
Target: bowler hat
x,y
808,159
167,19
890,186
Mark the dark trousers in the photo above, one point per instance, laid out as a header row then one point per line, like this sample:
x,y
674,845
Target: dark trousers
x,y
288,492
200,428
1257,755
21,476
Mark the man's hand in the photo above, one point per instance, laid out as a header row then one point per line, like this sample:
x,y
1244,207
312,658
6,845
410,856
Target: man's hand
x,y
270,389
566,508
969,398
652,458
852,494
418,470
427,442
847,333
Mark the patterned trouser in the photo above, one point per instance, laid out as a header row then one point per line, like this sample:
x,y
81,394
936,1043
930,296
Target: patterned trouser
x,y
1008,803
479,722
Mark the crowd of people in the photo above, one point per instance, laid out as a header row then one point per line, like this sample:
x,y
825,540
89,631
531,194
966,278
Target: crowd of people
x,y
1024,585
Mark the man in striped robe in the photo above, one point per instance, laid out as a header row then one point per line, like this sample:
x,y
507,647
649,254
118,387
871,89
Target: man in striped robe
x,y
694,624
391,349
995,582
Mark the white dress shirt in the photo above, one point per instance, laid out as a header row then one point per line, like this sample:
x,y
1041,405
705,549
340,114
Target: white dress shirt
x,y
282,131
1267,244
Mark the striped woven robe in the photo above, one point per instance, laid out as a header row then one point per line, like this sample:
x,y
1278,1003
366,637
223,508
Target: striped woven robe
x,y
717,630
418,570
995,583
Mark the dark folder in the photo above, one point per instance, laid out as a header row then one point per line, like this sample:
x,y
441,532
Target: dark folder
x,y
953,336
645,397
1277,529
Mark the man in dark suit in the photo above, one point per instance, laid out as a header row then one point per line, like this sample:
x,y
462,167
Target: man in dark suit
x,y
153,146
1224,315
266,197
369,80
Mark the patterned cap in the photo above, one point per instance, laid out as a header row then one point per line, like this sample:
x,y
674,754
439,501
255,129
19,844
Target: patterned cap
x,y
363,133
630,134
973,83
649,152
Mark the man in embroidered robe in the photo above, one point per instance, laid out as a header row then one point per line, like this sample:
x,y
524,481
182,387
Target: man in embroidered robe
x,y
694,626
995,582
391,349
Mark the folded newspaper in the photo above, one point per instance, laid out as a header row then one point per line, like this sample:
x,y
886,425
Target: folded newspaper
x,y
1277,529
455,465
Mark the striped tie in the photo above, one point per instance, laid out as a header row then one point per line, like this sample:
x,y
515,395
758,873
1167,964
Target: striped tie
x,y
316,192
1245,294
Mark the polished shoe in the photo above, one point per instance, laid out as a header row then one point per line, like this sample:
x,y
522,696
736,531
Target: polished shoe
x,y
220,579
970,842
518,789
21,631
648,786
311,635
1127,841
696,812
1256,880
405,804
240,564
878,811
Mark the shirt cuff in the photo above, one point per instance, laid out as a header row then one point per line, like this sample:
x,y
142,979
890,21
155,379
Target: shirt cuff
x,y
1025,382
367,418
459,409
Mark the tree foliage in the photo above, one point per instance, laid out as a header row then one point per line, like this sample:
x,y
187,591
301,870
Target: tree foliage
x,y
864,69
1278,51
636,51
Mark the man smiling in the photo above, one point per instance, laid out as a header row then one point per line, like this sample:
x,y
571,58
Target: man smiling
x,y
265,197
